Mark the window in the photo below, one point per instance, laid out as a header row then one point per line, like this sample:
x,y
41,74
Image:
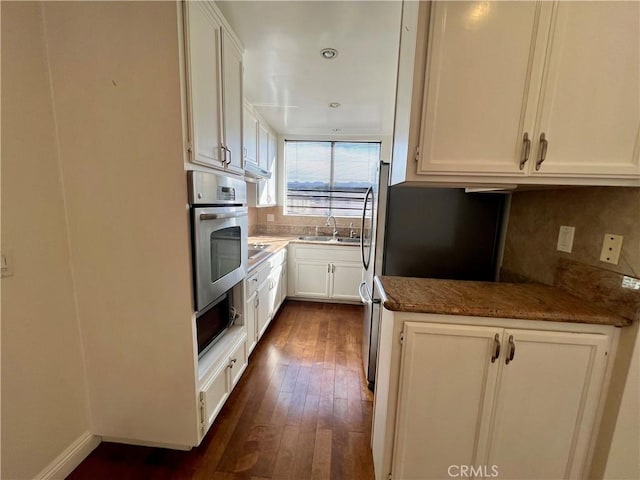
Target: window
x,y
329,178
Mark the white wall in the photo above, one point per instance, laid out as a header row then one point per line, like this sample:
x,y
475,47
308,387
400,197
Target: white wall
x,y
116,89
44,407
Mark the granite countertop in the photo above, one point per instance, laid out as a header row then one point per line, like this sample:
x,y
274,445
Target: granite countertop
x,y
488,299
277,243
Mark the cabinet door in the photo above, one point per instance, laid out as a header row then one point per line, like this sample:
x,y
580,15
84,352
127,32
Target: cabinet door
x,y
312,278
447,384
263,146
250,308
202,35
546,403
282,286
267,188
213,396
345,279
250,137
232,103
481,86
590,104
274,281
238,360
264,308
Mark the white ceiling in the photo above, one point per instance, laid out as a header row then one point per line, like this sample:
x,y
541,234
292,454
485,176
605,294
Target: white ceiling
x,y
291,85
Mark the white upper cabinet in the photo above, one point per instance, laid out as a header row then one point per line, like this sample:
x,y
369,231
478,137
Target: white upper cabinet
x,y
232,103
263,145
590,102
477,93
531,92
250,137
202,45
267,188
214,88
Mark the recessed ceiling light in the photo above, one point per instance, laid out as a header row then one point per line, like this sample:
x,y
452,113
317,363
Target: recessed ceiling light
x,y
334,104
337,129
329,53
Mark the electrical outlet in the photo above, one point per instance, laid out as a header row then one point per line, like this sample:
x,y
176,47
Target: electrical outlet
x,y
611,248
270,217
565,238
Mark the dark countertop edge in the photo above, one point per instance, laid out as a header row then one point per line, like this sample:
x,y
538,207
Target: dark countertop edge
x,y
391,305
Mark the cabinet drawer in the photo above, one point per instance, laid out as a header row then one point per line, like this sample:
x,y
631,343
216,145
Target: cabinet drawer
x,y
213,396
237,363
278,258
256,279
329,254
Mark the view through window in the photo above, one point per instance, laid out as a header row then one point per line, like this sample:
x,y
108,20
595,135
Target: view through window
x,y
329,178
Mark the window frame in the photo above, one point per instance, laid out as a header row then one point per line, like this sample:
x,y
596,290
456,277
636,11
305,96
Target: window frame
x,y
331,175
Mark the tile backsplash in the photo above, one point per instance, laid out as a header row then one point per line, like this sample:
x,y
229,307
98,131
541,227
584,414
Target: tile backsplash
x,y
260,223
535,219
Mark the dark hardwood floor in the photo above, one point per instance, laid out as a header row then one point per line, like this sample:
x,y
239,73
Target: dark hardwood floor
x,y
301,411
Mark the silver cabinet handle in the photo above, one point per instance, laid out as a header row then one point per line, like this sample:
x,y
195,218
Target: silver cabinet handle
x,y
512,351
333,268
496,348
526,149
328,268
230,155
223,151
544,143
232,362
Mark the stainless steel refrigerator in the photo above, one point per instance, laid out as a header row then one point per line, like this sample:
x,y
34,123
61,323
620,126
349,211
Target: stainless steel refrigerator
x,y
424,232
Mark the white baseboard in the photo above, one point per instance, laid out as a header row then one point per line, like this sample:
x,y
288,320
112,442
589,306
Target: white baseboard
x,y
68,460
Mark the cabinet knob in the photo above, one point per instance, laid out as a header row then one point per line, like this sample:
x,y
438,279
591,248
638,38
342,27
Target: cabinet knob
x,y
526,149
544,143
512,351
496,348
232,362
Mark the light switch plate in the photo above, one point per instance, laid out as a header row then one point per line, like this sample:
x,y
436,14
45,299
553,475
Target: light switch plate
x,y
565,238
611,248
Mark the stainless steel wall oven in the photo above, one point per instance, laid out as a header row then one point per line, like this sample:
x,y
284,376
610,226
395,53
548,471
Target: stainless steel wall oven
x,y
219,232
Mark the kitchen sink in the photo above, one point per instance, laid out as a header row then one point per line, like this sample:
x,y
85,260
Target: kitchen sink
x,y
257,249
316,238
325,238
348,240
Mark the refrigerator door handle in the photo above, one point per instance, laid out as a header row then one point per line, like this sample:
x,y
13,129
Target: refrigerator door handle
x,y
362,297
368,298
365,261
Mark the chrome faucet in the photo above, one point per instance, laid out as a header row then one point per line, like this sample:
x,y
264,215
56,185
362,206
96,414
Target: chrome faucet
x,y
328,223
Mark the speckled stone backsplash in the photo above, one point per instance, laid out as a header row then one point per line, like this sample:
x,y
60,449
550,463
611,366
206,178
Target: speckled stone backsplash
x,y
530,248
295,225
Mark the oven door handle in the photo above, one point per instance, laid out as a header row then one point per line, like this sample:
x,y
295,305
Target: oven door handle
x,y
216,216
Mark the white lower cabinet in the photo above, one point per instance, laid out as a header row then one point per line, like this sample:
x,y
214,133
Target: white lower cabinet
x,y
507,402
263,311
325,272
264,291
311,278
223,374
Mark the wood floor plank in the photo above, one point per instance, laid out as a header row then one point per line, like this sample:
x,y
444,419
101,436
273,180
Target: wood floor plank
x,y
286,453
301,411
321,466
